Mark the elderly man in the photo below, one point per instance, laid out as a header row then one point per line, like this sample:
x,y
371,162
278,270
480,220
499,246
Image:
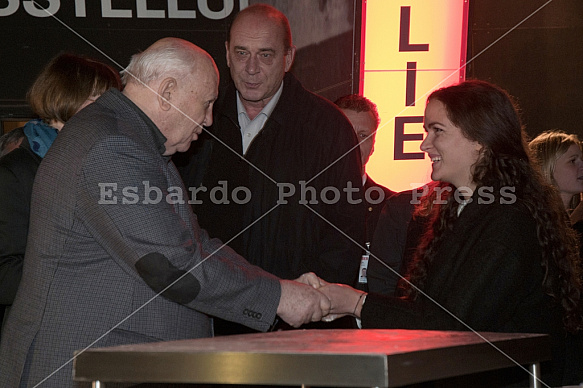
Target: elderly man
x,y
293,152
110,232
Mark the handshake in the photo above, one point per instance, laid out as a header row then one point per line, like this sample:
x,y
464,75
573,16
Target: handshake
x,y
311,299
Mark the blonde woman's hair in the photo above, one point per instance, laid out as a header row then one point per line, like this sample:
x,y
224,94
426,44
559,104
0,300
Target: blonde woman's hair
x,y
547,148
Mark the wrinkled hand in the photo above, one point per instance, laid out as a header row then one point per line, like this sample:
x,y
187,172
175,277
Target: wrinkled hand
x,y
344,300
311,279
301,303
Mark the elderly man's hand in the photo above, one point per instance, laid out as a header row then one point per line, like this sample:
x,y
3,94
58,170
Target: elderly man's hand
x,y
301,303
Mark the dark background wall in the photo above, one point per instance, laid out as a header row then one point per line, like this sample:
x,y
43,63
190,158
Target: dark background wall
x,y
327,35
323,30
540,62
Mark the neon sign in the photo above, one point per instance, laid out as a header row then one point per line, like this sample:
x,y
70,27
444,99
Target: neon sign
x,y
410,48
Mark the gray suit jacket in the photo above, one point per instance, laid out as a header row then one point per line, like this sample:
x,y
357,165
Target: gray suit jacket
x,y
108,232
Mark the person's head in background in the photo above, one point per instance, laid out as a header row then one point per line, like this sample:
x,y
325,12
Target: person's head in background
x,y
11,140
259,53
364,117
67,84
559,157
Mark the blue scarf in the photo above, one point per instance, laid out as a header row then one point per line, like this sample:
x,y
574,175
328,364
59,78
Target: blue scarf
x,y
40,136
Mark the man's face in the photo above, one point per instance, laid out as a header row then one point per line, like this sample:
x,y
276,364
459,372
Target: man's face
x,y
257,58
194,98
364,125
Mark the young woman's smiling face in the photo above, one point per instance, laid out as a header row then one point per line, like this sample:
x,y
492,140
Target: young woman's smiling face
x,y
453,155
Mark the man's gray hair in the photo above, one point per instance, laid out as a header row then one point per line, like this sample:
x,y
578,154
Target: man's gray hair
x,y
169,59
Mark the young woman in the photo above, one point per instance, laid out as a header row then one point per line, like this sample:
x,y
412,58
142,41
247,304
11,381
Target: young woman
x,y
497,254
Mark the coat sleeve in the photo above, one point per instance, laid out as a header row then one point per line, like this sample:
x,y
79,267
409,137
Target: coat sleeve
x,y
490,302
135,207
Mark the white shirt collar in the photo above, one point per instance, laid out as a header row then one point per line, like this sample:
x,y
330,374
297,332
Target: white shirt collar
x,y
267,109
250,128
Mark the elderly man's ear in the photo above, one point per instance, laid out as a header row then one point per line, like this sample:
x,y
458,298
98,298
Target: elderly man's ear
x,y
166,89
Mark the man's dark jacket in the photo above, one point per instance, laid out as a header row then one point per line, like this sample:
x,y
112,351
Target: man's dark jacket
x,y
17,172
375,196
306,139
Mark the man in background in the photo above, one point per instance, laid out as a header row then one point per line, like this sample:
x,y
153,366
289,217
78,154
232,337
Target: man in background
x,y
365,120
288,148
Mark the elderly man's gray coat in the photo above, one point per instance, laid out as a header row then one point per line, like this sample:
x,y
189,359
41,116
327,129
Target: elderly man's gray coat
x,y
109,231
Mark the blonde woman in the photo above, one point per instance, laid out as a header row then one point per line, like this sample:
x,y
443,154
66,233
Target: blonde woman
x,y
560,159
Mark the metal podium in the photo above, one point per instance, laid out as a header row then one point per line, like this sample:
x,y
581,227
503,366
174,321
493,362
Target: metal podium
x,y
343,358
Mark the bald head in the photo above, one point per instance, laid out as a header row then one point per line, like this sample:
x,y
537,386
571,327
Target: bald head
x,y
265,13
175,83
172,57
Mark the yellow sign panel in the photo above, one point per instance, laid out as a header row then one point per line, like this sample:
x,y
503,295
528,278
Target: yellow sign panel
x,y
410,49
